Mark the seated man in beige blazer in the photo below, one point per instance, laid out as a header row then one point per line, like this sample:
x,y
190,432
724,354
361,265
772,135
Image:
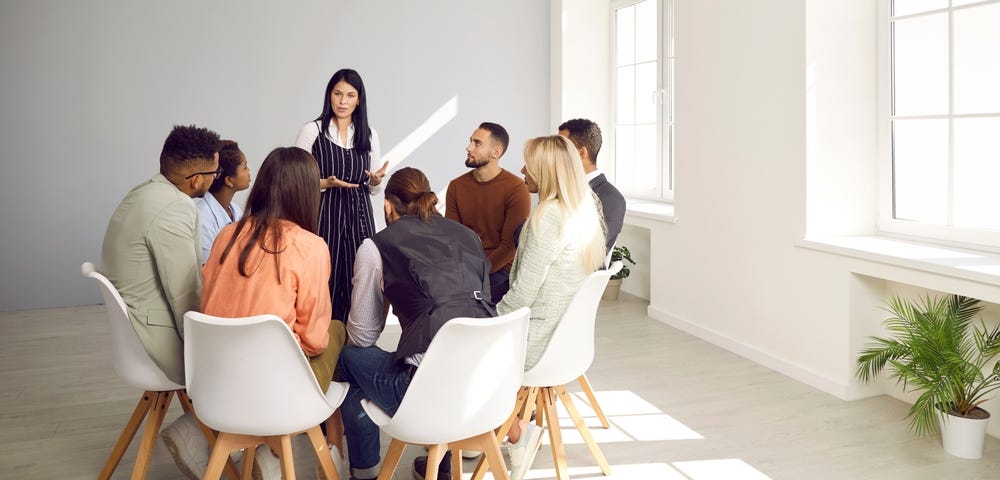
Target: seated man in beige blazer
x,y
151,253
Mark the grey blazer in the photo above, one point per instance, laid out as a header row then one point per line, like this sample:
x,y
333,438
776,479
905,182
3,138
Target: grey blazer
x,y
151,255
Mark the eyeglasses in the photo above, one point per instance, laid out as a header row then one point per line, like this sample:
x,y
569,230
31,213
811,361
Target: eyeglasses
x,y
214,174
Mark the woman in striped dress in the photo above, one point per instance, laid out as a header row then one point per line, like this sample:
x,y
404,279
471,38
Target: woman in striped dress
x,y
348,153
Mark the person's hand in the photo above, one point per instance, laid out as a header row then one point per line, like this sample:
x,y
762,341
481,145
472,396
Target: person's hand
x,y
333,181
375,178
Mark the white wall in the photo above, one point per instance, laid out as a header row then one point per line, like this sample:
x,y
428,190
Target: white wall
x,y
775,142
91,89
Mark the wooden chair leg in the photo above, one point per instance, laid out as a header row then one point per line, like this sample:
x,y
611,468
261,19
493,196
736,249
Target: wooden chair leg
x,y
595,450
596,407
128,433
530,404
286,458
548,399
392,460
491,453
520,404
217,460
322,453
152,430
434,456
456,464
247,464
188,406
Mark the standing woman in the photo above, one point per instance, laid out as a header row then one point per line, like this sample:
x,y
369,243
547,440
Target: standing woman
x,y
347,151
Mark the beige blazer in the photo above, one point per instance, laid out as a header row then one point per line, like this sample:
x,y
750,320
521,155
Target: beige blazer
x,y
150,254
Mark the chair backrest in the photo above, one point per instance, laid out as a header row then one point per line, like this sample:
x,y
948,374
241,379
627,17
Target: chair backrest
x,y
129,357
571,349
467,382
249,376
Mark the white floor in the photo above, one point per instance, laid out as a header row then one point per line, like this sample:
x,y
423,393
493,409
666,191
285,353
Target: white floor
x,y
680,409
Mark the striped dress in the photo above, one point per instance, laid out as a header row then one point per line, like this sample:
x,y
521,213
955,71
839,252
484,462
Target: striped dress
x,y
345,215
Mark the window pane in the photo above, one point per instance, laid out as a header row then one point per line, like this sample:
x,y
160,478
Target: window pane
x,y
920,75
906,7
977,62
645,156
645,31
977,172
624,156
626,95
625,35
645,93
920,170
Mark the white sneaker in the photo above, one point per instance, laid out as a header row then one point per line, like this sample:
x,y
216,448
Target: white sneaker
x,y
341,464
522,453
187,445
468,454
266,465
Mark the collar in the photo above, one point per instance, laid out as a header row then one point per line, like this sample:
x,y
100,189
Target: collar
x,y
596,173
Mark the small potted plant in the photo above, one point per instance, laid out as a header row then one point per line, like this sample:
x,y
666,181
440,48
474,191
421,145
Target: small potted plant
x,y
935,349
619,253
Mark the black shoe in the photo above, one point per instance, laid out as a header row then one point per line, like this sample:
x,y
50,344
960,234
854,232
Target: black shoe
x,y
444,470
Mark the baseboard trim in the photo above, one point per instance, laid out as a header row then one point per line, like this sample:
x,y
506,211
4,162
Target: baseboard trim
x,y
767,359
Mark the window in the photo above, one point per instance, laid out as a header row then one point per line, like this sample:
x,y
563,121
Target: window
x,y
940,128
643,98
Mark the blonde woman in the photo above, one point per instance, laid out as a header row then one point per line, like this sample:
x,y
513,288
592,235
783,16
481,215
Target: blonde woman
x,y
562,242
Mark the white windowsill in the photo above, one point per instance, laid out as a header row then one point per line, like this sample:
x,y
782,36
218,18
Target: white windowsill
x,y
973,265
641,212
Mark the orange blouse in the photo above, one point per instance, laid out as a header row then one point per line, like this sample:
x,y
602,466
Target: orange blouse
x,y
301,298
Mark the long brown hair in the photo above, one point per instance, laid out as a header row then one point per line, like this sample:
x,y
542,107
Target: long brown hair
x,y
409,192
287,188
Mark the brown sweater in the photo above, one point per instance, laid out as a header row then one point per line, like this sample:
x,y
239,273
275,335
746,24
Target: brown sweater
x,y
493,210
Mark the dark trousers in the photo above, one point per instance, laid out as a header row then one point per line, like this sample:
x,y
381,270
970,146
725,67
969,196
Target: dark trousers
x,y
499,284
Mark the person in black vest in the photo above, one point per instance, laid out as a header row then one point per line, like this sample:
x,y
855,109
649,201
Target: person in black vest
x,y
430,269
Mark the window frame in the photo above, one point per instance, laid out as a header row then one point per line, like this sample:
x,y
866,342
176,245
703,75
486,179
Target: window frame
x,y
665,122
887,223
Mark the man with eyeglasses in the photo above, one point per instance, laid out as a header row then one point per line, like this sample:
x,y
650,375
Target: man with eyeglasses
x,y
152,255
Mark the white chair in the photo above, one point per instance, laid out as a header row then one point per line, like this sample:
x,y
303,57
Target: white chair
x,y
253,384
133,365
568,355
464,388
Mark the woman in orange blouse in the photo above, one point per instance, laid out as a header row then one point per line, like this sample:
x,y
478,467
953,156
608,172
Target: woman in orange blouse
x,y
273,262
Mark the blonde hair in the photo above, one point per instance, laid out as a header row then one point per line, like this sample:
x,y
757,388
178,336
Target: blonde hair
x,y
555,165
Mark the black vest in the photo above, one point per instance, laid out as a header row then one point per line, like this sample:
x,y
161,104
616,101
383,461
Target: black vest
x,y
432,272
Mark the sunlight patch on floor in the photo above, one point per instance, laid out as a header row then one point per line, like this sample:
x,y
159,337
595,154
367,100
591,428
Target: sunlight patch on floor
x,y
720,469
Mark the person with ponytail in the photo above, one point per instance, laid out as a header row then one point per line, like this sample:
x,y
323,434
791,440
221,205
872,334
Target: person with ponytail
x,y
272,262
561,244
348,154
403,265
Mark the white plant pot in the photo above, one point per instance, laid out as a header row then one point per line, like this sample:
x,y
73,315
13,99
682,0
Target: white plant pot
x,y
963,437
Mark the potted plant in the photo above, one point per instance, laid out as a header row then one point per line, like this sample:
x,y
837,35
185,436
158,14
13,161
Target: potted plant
x,y
936,350
619,253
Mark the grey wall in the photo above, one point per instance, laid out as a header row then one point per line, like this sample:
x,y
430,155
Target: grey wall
x,y
89,90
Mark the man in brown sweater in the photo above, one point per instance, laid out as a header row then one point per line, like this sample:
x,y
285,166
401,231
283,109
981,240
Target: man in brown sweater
x,y
491,201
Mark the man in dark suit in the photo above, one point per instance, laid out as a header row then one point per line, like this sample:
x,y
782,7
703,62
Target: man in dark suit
x,y
586,136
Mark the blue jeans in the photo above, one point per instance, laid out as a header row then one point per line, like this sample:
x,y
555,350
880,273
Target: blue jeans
x,y
374,376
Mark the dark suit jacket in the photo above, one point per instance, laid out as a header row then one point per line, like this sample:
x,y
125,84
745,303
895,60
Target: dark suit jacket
x,y
613,204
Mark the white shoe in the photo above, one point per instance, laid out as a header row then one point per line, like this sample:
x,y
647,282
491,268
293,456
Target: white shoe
x,y
266,465
522,453
468,454
341,463
187,445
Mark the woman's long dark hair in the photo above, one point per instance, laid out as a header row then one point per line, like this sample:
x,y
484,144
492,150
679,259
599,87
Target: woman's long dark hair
x,y
285,189
362,133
